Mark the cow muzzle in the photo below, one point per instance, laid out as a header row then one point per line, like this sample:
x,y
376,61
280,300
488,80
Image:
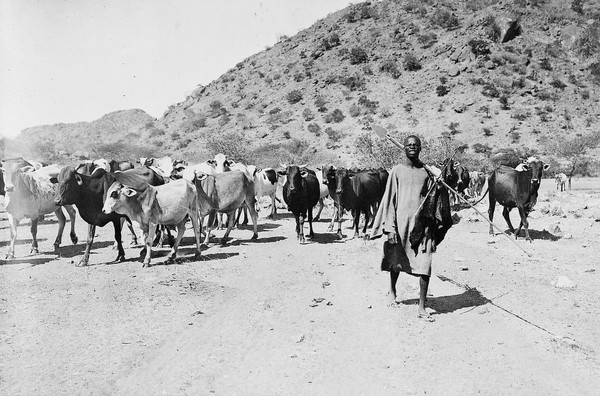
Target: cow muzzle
x,y
9,188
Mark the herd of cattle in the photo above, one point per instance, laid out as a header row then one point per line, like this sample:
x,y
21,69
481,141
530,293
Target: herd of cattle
x,y
161,194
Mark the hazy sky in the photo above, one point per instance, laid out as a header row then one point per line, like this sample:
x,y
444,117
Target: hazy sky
x,y
76,60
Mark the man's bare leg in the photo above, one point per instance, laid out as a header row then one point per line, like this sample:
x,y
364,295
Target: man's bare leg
x,y
424,285
393,279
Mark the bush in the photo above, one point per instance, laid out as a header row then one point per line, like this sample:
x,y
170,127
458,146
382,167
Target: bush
x,y
294,96
408,107
358,56
337,115
353,83
370,106
234,144
444,19
314,128
490,90
492,30
545,64
479,47
453,127
442,90
427,40
577,6
556,83
308,115
320,102
390,66
585,94
481,148
334,136
504,102
595,72
411,63
520,114
354,110
589,41
487,131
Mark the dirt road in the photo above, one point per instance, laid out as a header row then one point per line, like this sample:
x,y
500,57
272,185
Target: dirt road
x,y
276,317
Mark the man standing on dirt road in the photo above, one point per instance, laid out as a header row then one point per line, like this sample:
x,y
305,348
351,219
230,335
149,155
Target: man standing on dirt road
x,y
413,230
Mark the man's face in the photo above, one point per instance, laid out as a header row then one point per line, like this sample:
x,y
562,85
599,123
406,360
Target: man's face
x,y
412,147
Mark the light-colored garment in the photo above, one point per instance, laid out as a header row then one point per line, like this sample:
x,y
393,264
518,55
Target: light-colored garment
x,y
396,214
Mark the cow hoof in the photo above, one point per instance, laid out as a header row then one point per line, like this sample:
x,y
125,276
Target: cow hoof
x,y
34,252
254,237
9,256
120,259
81,264
170,260
197,255
146,264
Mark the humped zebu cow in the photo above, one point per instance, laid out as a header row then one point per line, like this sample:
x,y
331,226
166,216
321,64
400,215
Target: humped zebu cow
x,y
476,183
516,188
301,194
561,181
88,192
225,193
168,204
457,177
30,193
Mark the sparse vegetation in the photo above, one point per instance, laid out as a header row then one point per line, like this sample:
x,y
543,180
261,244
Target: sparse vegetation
x,y
445,19
294,96
358,56
314,128
479,47
556,83
320,102
308,115
390,66
411,63
442,90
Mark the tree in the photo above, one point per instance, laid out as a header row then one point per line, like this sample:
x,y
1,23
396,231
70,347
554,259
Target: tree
x,y
575,149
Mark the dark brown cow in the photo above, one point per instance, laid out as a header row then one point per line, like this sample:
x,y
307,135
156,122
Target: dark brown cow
x,y
515,188
301,194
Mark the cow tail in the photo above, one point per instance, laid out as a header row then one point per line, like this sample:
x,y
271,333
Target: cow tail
x,y
482,196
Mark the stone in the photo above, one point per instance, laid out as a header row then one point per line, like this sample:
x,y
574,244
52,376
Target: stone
x,y
553,229
562,282
453,71
509,27
490,65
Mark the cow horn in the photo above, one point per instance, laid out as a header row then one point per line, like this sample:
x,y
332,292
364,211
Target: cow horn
x,y
303,166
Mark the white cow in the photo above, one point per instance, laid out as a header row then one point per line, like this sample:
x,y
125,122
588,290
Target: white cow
x,y
30,193
561,181
168,204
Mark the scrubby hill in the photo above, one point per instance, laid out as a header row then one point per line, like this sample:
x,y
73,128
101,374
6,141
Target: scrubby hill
x,y
483,74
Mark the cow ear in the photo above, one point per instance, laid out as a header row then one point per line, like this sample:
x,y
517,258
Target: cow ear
x,y
525,167
303,173
78,179
129,192
200,175
212,162
546,167
53,180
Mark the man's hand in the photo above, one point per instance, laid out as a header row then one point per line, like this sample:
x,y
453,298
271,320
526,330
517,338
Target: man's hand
x,y
392,238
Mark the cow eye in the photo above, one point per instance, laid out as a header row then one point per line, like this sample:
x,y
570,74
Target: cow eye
x,y
114,194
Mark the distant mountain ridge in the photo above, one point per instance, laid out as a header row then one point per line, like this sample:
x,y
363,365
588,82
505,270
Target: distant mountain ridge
x,y
487,74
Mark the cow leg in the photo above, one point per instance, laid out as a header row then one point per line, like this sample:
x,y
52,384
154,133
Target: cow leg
x,y
209,226
72,216
311,234
180,232
321,205
61,227
491,209
300,227
332,223
196,226
119,241
149,232
273,207
250,204
524,223
88,246
375,207
134,240
230,223
14,224
367,215
356,222
33,229
506,215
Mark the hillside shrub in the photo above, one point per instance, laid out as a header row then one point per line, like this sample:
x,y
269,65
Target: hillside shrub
x,y
415,7
386,112
453,127
411,63
585,94
445,19
334,135
487,131
332,41
480,148
504,105
358,56
314,128
427,40
545,64
595,72
294,96
490,91
354,110
320,102
275,110
337,116
485,110
234,144
588,43
390,66
520,114
408,107
308,115
546,95
353,82
224,120
479,47
556,83
442,90
370,106
577,6
299,76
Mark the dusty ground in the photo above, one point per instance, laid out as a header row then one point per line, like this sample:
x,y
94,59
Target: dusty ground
x,y
276,317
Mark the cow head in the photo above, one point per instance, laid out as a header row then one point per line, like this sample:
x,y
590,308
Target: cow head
x,y
11,169
342,175
117,198
69,186
294,175
220,163
537,168
328,173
